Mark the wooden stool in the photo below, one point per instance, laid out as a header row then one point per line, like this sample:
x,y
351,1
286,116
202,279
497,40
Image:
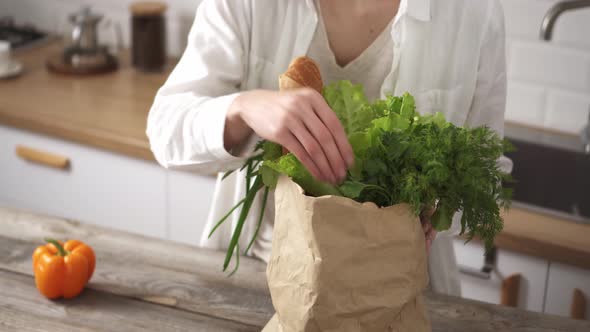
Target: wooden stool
x,y
510,290
578,308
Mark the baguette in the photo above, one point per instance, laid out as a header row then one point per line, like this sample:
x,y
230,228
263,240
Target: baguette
x,y
302,72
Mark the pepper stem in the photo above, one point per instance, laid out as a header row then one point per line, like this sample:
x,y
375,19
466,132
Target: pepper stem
x,y
60,249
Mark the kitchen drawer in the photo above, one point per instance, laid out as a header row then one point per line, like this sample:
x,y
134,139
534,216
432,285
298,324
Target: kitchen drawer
x,y
532,284
189,203
563,279
98,187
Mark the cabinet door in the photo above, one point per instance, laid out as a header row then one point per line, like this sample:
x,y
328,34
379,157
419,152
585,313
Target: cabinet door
x,y
189,201
563,279
532,284
99,187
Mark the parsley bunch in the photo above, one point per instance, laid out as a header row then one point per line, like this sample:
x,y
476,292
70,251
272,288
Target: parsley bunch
x,y
400,157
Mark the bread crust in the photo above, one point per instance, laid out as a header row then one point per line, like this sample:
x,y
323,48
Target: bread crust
x,y
302,72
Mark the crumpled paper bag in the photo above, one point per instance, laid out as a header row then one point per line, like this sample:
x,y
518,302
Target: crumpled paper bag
x,y
341,266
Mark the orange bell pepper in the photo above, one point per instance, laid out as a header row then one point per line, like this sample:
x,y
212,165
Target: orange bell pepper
x,y
62,269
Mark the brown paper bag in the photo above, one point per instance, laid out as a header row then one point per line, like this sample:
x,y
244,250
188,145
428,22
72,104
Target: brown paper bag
x,y
341,266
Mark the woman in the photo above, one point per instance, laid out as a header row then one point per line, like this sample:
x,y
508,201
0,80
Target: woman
x,y
222,97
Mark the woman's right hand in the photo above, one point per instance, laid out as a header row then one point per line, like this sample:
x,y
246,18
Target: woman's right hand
x,y
298,119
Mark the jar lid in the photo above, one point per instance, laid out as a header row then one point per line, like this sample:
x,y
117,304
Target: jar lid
x,y
147,8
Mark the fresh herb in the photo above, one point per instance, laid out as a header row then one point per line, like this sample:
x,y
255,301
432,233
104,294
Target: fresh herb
x,y
400,157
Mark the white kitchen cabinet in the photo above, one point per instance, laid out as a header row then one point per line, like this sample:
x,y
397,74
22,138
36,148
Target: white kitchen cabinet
x,y
189,201
563,279
532,284
99,187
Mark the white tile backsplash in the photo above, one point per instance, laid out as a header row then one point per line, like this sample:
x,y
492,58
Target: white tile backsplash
x,y
523,17
543,63
567,111
525,103
543,76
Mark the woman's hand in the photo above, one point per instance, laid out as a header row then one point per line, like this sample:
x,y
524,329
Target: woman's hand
x,y
429,231
301,121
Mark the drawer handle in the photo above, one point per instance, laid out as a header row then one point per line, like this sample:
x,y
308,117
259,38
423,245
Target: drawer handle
x,y
486,270
42,157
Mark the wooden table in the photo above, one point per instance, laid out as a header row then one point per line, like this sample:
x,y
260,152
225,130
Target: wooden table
x,y
145,284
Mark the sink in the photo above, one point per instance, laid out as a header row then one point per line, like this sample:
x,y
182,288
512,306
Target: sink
x,y
552,173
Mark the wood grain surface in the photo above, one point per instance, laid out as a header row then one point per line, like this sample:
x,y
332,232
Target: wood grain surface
x,y
449,314
148,284
149,269
96,311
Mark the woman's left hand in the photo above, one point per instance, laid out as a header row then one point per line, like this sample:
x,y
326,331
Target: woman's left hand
x,y
429,231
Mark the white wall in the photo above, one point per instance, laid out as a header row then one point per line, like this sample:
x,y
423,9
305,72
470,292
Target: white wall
x,y
549,82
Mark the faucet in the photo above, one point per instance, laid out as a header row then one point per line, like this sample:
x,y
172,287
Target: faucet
x,y
555,11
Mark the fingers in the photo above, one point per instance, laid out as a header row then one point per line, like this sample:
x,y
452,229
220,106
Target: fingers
x,y
313,149
430,236
322,143
305,125
433,234
330,120
292,144
427,228
327,143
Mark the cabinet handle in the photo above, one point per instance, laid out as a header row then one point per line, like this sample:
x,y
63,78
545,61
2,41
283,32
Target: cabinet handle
x,y
486,270
42,157
578,308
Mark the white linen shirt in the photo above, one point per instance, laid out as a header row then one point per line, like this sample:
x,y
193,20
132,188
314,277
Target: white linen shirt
x,y
369,69
448,54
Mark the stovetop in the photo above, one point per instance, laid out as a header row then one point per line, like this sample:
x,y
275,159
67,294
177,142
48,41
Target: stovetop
x,y
20,36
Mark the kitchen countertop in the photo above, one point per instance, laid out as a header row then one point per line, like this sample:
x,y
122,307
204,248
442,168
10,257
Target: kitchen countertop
x,y
546,237
109,112
146,284
548,137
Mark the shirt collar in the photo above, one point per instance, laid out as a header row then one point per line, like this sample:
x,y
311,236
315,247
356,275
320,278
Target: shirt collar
x,y
418,9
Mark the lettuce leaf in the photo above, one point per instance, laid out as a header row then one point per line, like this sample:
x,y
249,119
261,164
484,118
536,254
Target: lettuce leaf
x,y
292,167
350,105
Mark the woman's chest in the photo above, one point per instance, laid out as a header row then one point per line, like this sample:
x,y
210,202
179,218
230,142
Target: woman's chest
x,y
351,30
